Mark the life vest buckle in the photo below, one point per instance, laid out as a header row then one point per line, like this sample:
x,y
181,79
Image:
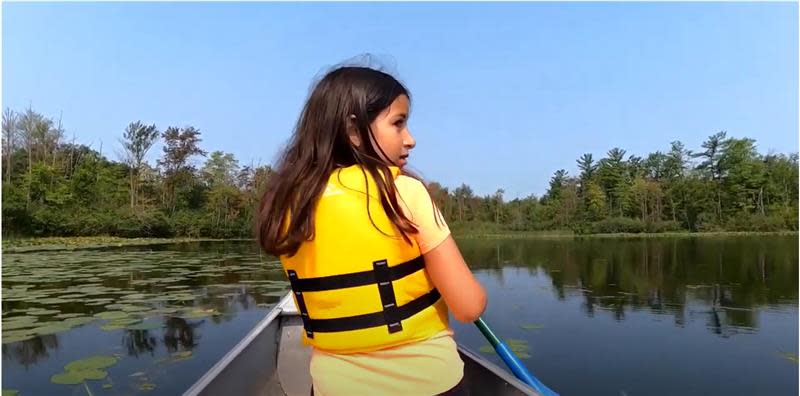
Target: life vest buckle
x,y
388,300
381,276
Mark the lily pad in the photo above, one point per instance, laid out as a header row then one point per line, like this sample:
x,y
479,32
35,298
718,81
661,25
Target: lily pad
x,y
92,363
182,354
111,315
119,324
147,386
52,329
176,357
79,321
108,386
68,315
531,326
42,312
15,324
135,296
10,392
53,300
486,349
200,313
74,377
519,347
93,374
135,308
790,356
100,300
16,298
17,336
145,326
72,296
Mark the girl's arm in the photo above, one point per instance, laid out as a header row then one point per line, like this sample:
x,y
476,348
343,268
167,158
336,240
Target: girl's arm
x,y
465,297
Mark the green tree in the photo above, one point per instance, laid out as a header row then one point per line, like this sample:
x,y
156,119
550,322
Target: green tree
x,y
613,178
710,166
594,201
137,140
557,183
224,198
587,167
441,196
463,196
498,204
10,133
742,175
674,170
180,145
221,169
55,188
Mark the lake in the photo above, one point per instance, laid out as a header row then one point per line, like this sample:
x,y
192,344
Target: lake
x,y
652,316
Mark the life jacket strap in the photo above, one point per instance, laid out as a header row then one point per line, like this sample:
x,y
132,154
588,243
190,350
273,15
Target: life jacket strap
x,y
381,275
374,319
355,279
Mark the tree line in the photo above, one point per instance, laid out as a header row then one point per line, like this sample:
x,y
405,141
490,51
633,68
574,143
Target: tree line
x,y
55,187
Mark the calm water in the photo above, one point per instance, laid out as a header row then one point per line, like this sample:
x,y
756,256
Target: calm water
x,y
603,317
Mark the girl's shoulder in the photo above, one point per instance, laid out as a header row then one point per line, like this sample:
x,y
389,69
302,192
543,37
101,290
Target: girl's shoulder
x,y
410,187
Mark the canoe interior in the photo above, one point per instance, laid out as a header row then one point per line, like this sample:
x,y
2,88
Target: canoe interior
x,y
272,361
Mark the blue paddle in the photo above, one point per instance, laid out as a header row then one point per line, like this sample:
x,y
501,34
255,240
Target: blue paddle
x,y
512,361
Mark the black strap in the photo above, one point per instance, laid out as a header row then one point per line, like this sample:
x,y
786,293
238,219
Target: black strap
x,y
374,319
301,302
386,290
355,279
381,275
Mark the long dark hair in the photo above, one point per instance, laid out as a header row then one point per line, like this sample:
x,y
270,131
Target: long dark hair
x,y
347,97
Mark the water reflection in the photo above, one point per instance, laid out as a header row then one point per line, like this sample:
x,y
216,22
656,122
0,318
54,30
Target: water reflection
x,y
179,334
180,288
184,295
30,352
176,333
139,342
728,280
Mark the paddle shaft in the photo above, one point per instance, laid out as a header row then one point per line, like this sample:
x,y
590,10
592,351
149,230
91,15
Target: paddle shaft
x,y
512,361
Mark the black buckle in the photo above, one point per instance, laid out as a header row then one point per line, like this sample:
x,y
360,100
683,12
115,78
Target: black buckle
x,y
384,279
301,303
382,275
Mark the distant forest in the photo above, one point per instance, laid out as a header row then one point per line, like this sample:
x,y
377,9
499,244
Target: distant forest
x,y
53,187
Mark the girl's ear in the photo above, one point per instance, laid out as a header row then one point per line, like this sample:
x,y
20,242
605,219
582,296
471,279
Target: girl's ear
x,y
352,131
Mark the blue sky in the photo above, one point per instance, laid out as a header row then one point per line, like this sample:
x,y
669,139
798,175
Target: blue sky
x,y
504,94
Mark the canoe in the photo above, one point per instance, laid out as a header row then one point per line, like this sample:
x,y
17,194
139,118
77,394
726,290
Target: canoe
x,y
271,360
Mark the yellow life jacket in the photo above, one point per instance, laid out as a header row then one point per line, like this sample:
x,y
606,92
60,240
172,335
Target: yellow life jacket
x,y
357,289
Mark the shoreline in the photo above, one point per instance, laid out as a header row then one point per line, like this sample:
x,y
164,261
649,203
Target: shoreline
x,y
24,245
643,235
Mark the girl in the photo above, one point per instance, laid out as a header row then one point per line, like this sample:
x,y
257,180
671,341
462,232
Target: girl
x,y
371,262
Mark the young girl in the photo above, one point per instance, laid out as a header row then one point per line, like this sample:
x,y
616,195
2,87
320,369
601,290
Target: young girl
x,y
372,265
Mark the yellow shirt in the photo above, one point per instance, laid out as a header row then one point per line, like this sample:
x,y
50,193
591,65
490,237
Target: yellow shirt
x,y
426,367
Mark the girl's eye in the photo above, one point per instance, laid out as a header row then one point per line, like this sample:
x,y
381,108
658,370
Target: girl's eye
x,y
399,122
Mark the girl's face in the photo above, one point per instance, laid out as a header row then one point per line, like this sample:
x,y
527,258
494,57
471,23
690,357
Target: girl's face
x,y
391,134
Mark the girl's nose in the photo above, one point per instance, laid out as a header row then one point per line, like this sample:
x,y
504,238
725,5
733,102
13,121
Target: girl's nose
x,y
408,140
